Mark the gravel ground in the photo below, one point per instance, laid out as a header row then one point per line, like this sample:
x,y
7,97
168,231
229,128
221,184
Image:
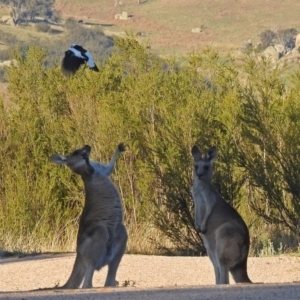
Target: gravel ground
x,y
149,277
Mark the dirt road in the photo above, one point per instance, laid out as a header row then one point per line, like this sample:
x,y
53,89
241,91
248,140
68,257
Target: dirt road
x,y
149,277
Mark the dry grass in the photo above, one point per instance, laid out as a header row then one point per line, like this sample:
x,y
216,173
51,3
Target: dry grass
x,y
147,240
168,23
4,10
4,93
27,33
60,242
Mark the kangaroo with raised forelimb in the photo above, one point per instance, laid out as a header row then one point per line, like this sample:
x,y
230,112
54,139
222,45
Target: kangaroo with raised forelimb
x,y
102,236
224,232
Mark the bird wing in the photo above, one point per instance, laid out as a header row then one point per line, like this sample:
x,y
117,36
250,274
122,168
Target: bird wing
x,y
90,61
78,53
79,48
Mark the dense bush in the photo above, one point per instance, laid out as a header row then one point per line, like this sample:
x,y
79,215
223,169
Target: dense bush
x,y
70,24
285,37
42,27
268,148
159,110
267,38
27,10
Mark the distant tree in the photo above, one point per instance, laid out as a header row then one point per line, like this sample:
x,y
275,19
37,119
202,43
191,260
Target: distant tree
x,y
39,8
17,9
267,38
56,16
287,37
27,10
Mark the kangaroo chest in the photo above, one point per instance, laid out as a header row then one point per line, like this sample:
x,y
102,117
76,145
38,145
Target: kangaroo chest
x,y
204,193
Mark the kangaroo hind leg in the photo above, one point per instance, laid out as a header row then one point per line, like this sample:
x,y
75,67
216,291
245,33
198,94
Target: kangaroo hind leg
x,y
221,270
239,272
77,274
224,275
117,251
93,249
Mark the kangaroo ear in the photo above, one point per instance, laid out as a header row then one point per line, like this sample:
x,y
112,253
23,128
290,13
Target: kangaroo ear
x,y
212,153
196,153
87,149
58,159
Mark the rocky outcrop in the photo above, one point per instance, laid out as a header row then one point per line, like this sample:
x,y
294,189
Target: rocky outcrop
x,y
7,20
297,41
123,16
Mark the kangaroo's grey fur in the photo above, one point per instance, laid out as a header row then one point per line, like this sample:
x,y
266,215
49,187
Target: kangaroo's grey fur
x,y
225,234
102,237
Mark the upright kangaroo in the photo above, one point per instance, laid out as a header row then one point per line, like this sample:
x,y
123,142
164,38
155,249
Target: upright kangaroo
x,y
225,234
102,237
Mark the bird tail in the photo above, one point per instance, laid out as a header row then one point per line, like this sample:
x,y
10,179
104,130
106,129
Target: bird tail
x,y
94,68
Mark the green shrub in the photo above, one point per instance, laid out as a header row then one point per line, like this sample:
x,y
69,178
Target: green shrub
x,y
159,110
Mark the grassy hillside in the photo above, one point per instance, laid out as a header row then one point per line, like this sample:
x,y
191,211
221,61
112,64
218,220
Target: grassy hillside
x,y
167,24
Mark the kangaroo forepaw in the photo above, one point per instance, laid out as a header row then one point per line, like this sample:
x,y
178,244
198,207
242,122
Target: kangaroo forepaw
x,y
121,147
198,228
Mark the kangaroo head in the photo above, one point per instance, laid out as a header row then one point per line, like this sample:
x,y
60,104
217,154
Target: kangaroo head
x,y
77,161
204,164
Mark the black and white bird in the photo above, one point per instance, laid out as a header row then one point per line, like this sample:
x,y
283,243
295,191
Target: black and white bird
x,y
76,56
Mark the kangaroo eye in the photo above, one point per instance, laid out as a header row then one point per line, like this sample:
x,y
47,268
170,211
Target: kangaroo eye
x,y
206,168
76,152
196,167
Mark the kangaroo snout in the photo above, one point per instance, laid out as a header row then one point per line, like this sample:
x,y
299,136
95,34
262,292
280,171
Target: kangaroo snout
x,y
200,176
